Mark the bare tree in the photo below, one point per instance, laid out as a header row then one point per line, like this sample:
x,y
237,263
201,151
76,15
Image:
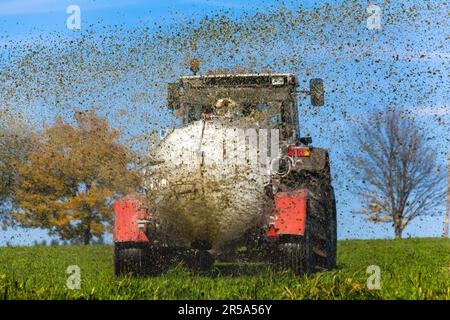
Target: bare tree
x,y
447,201
401,179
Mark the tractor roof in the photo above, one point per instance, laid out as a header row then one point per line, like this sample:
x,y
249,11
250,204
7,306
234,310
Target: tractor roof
x,y
206,90
245,79
239,75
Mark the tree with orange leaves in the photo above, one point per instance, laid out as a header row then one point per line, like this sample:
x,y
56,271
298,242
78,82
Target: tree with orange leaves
x,y
68,184
16,142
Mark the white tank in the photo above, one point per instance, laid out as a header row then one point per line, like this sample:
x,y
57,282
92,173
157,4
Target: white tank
x,y
205,181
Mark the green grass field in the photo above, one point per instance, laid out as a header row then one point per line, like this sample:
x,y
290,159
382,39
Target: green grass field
x,y
410,269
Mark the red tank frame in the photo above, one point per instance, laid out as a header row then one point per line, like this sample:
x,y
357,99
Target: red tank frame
x,y
290,217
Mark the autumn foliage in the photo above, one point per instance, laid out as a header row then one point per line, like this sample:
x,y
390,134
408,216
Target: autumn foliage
x,y
68,185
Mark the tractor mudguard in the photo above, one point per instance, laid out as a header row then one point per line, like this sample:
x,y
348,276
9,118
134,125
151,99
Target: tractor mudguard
x,y
131,221
290,213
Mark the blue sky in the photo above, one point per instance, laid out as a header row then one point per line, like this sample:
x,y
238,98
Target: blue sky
x,y
27,20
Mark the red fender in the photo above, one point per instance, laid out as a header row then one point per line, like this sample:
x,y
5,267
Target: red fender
x,y
130,221
290,213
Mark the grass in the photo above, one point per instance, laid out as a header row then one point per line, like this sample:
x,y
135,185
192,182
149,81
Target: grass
x,y
410,269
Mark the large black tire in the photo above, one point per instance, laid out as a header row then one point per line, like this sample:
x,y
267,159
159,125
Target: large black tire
x,y
295,254
133,259
143,259
332,244
316,251
199,260
322,213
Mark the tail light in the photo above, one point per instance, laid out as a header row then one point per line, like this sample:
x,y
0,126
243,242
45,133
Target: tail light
x,y
294,151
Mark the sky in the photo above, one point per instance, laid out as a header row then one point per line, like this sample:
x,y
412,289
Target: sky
x,y
23,21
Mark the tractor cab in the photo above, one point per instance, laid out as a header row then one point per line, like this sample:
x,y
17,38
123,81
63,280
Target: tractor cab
x,y
265,100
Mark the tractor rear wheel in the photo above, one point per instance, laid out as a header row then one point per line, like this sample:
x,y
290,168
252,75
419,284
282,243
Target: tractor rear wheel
x,y
332,243
295,255
316,250
132,258
322,217
199,260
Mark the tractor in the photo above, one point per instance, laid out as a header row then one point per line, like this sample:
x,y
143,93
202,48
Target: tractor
x,y
203,200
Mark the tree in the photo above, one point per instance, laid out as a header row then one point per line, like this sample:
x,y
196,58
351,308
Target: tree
x,y
69,184
401,179
16,142
447,200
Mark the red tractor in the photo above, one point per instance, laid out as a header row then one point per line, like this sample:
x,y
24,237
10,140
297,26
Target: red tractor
x,y
197,212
